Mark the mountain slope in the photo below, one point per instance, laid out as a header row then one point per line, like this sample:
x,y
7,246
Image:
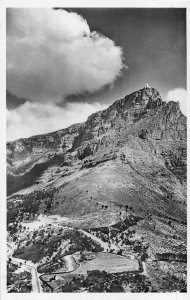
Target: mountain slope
x,y
131,155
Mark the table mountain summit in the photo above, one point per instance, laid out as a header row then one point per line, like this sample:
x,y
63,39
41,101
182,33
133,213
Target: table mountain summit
x,y
132,154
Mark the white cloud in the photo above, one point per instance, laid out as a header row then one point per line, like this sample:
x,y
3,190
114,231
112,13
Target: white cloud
x,y
179,95
38,118
53,53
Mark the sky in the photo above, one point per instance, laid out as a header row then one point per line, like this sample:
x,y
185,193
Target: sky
x,y
72,62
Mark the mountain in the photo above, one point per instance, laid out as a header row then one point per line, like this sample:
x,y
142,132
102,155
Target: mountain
x,y
13,101
132,154
122,171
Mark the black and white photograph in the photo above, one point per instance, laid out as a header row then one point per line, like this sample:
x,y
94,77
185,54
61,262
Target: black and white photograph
x,y
96,149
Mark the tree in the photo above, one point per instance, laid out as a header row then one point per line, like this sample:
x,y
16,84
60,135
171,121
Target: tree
x,y
144,256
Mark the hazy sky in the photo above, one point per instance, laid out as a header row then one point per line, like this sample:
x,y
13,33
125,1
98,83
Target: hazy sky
x,y
69,63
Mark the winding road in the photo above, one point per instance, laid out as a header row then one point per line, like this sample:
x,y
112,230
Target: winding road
x,y
36,286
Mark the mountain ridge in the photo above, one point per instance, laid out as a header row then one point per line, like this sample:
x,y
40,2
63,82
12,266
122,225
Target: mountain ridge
x,y
141,114
91,116
119,104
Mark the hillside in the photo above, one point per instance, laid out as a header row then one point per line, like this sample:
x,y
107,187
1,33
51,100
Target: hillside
x,y
133,153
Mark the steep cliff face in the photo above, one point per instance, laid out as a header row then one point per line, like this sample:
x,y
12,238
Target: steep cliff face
x,y
132,152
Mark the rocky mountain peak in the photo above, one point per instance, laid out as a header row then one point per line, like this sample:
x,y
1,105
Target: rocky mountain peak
x,y
146,97
130,109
